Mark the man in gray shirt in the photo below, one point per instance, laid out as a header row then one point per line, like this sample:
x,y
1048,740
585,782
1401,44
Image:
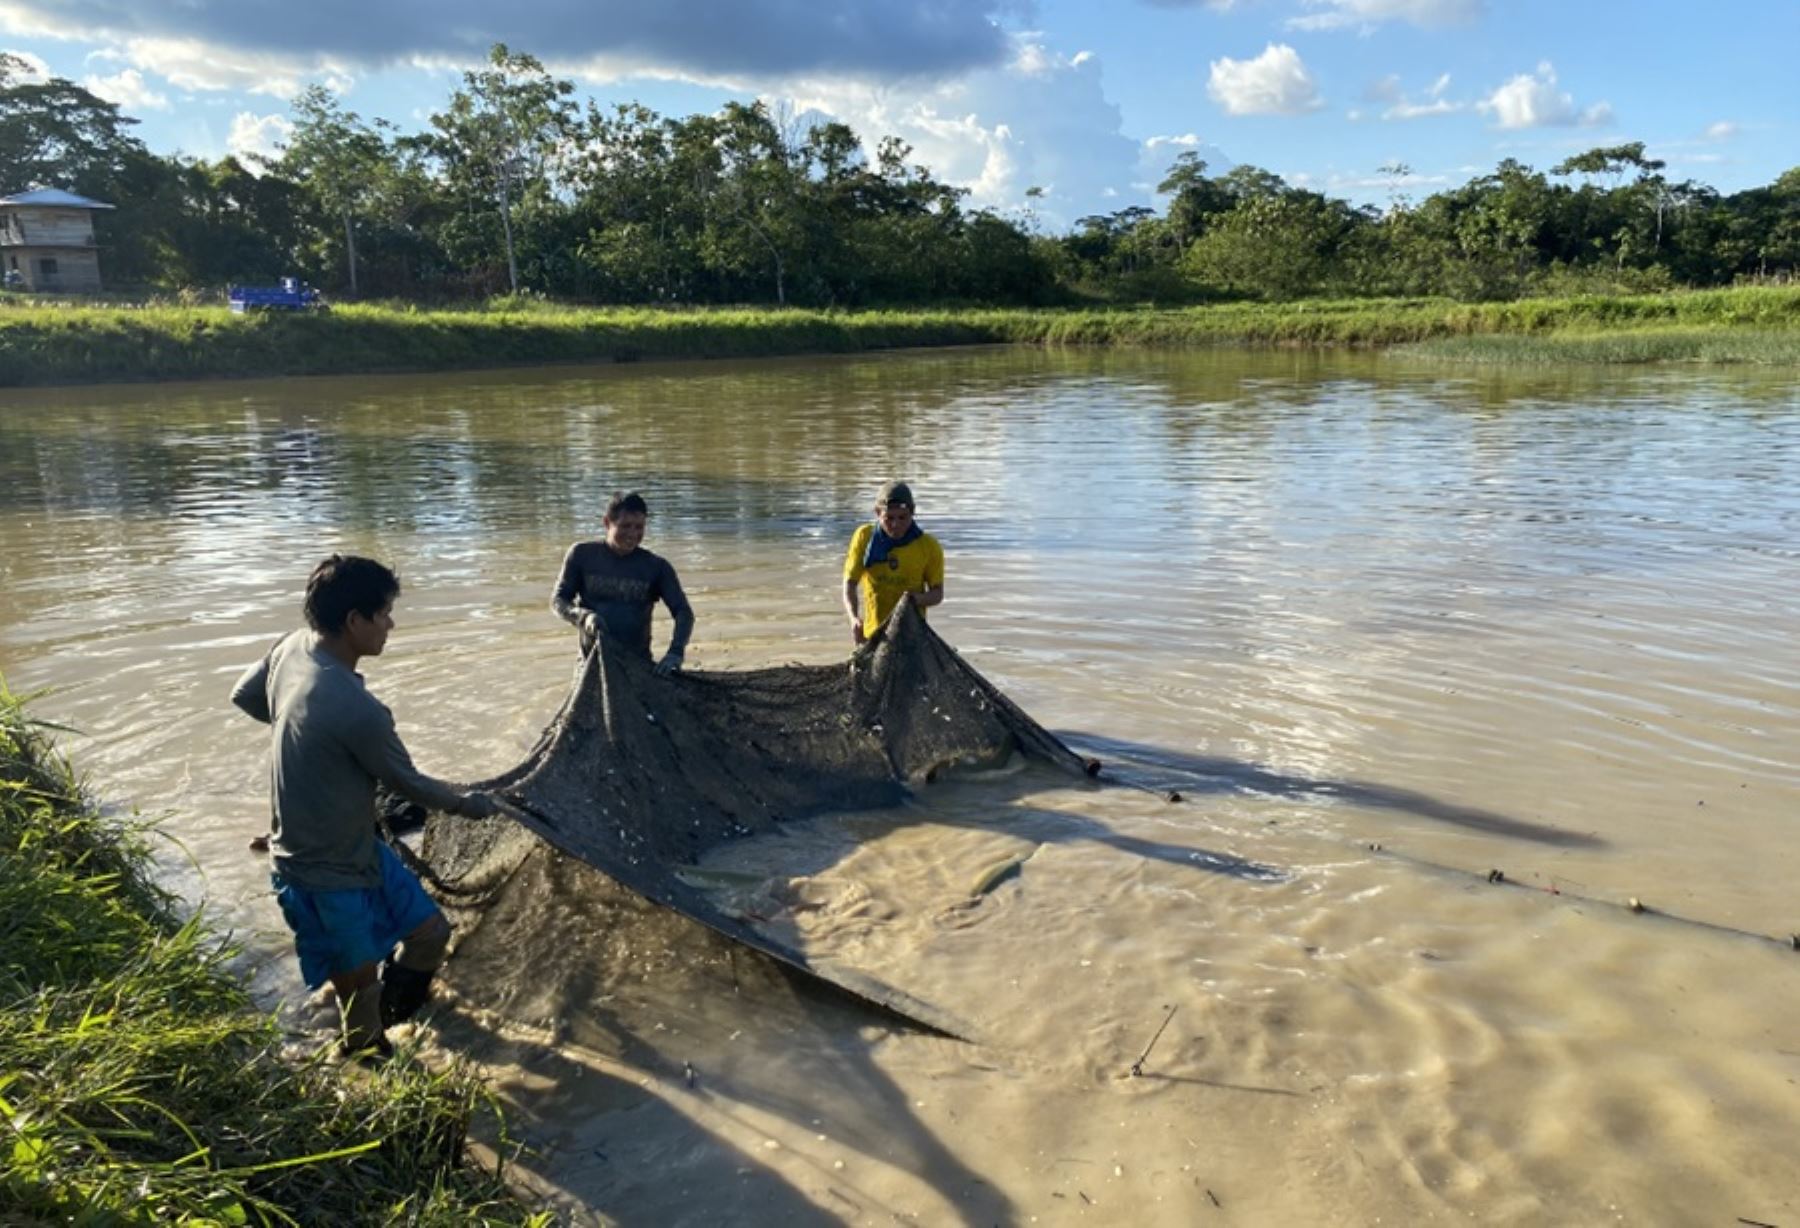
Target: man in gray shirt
x,y
610,587
345,894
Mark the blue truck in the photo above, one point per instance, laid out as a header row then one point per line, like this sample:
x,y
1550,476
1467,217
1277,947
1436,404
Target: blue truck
x,y
291,295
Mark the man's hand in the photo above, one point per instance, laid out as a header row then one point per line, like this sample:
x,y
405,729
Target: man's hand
x,y
670,663
480,805
590,623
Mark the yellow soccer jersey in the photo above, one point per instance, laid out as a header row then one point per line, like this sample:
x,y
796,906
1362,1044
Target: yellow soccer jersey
x,y
912,568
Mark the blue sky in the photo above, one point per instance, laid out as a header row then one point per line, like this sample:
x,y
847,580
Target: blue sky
x,y
1089,101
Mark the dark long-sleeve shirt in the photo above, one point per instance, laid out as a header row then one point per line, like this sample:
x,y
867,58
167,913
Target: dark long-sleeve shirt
x,y
332,742
623,590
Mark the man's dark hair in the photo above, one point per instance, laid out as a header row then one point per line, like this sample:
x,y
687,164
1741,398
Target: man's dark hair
x,y
622,503
343,584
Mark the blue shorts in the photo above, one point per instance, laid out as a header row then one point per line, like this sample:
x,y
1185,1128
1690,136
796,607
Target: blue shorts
x,y
339,931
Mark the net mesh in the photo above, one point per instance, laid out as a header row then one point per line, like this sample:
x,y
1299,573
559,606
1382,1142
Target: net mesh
x,y
638,776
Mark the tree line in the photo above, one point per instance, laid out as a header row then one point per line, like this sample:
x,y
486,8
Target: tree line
x,y
515,187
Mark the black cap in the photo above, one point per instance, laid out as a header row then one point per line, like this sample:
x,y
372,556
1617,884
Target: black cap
x,y
895,493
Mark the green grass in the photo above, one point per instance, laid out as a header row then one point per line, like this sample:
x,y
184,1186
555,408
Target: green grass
x,y
138,1085
63,343
1716,345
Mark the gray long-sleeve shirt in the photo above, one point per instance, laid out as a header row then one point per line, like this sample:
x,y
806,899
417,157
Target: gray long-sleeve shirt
x,y
622,589
332,742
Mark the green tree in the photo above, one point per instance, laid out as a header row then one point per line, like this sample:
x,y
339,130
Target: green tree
x,y
55,133
504,137
1630,217
1497,228
1396,173
342,162
632,220
235,225
1247,183
1196,198
756,195
1282,245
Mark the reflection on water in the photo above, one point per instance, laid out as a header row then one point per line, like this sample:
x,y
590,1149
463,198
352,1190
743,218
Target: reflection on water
x,y
1539,622
1567,600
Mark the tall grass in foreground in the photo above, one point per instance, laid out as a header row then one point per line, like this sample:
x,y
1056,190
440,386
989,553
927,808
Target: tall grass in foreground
x,y
137,1083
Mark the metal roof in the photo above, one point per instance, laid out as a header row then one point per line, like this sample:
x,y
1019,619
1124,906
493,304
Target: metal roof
x,y
53,198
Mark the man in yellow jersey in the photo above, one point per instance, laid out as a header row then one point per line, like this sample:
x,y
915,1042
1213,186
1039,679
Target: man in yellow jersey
x,y
890,561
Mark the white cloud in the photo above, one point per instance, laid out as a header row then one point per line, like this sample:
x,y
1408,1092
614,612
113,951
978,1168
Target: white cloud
x,y
255,136
1158,154
1035,60
1434,102
1533,101
127,88
1366,14
1365,185
1274,83
1420,110
1724,130
190,64
1040,120
35,68
25,21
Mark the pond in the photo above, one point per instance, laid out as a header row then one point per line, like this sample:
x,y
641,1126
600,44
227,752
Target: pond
x,y
1387,626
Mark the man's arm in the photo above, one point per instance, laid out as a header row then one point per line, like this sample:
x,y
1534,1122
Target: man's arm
x,y
853,571
682,612
377,747
933,592
252,691
565,599
850,608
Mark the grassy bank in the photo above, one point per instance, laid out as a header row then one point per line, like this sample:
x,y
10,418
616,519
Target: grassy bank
x,y
1716,345
137,1083
63,344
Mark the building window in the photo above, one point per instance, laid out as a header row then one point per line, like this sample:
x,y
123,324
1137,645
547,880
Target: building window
x,y
47,267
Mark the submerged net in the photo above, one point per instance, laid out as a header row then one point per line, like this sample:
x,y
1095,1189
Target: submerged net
x,y
640,776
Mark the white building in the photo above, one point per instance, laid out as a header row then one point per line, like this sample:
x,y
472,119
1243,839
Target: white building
x,y
47,240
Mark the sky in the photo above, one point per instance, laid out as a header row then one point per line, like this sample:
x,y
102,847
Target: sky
x,y
1089,101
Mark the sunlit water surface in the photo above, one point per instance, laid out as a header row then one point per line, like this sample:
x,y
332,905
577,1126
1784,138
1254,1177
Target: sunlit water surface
x,y
1386,628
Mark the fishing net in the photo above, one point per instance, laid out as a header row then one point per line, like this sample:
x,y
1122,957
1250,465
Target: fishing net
x,y
639,777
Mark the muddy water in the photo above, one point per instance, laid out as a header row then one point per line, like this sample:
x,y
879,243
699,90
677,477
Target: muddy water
x,y
1386,629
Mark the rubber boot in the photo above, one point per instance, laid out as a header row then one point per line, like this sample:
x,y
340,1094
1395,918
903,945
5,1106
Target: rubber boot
x,y
403,992
371,1055
363,1037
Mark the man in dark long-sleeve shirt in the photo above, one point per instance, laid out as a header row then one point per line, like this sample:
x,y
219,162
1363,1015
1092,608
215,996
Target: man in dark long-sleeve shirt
x,y
611,587
342,890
